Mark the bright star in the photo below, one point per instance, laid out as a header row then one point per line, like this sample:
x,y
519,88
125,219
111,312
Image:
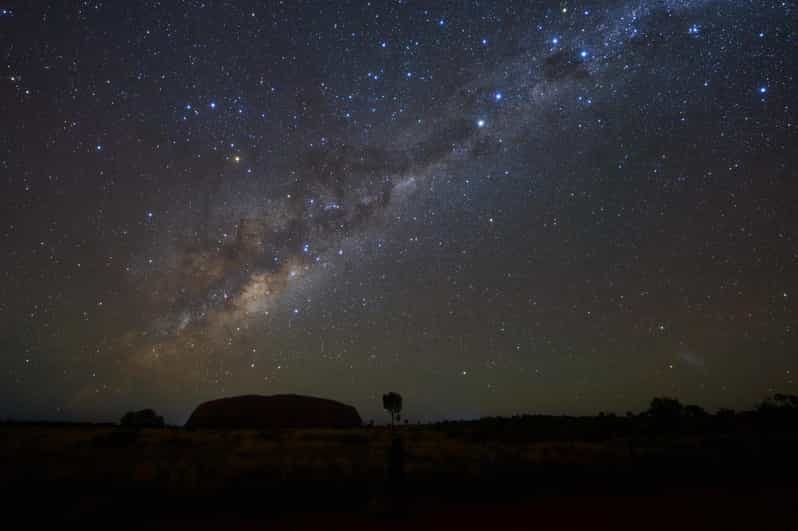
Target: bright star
x,y
480,123
498,96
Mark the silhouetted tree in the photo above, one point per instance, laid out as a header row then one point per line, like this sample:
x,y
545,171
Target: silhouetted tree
x,y
146,418
665,407
786,401
392,402
778,411
778,403
666,412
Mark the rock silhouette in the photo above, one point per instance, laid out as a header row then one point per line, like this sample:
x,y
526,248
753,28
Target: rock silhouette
x,y
277,411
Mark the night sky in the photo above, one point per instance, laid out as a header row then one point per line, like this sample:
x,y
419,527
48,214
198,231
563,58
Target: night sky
x,y
490,207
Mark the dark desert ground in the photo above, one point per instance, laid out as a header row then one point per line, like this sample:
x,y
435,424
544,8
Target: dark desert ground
x,y
691,471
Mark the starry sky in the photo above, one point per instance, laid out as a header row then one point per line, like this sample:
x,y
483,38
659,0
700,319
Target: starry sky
x,y
490,207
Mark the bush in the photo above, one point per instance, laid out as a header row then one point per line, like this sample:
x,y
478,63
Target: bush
x,y
146,418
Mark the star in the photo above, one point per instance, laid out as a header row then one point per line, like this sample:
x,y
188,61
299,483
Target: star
x,y
508,203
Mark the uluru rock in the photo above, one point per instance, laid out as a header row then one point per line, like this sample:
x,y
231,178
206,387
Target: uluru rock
x,y
277,411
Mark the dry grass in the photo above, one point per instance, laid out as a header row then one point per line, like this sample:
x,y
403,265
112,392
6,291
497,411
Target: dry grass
x,y
179,458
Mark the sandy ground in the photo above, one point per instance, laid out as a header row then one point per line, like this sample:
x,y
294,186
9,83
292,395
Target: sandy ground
x,y
698,510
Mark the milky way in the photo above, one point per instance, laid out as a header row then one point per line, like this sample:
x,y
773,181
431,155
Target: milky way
x,y
491,208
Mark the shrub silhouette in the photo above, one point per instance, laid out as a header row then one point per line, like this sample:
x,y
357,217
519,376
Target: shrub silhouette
x,y
666,413
146,418
392,402
786,401
778,411
664,407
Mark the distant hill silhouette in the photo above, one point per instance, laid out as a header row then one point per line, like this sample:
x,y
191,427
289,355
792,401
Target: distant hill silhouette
x,y
277,411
